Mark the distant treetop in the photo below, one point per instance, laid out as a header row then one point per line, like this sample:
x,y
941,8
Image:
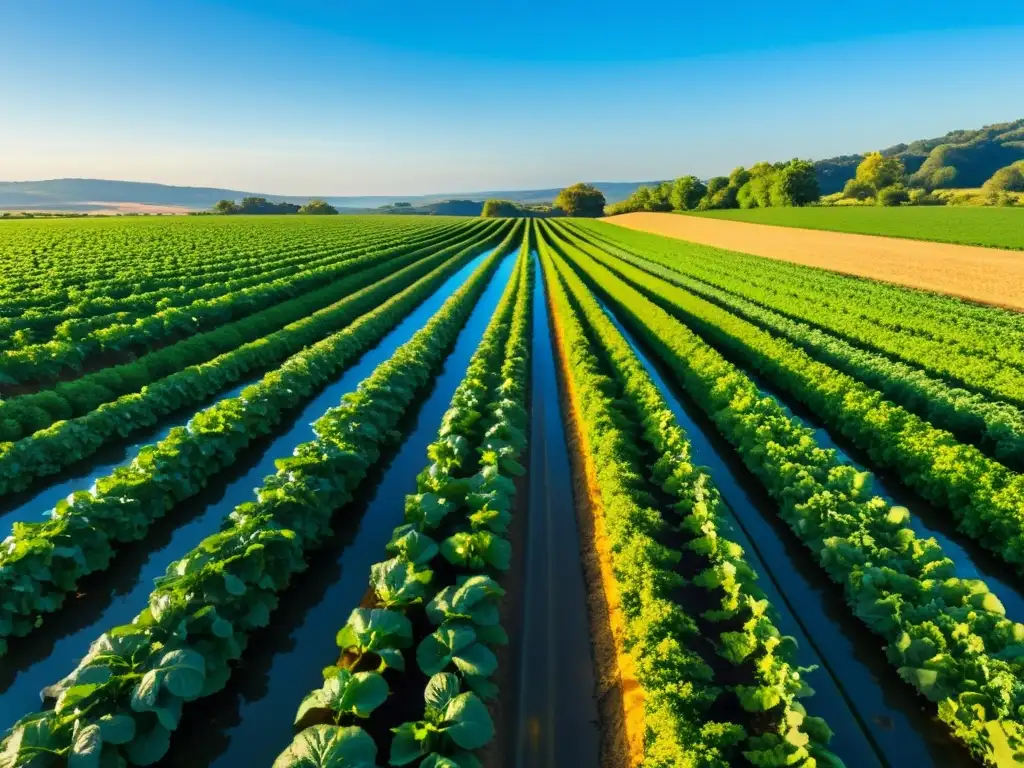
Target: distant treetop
x,y
254,205
318,207
581,200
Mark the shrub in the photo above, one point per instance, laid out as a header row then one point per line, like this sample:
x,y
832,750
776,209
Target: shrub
x,y
895,194
856,189
923,197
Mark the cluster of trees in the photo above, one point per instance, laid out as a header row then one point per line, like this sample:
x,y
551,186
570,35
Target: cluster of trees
x,y
880,178
1008,179
883,179
763,185
495,208
581,200
260,205
962,158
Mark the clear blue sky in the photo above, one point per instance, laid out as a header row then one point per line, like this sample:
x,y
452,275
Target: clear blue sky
x,y
401,97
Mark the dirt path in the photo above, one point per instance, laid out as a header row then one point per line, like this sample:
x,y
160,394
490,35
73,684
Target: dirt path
x,y
986,275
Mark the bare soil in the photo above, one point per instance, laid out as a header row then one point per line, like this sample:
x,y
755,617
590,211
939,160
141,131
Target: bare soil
x,y
986,275
619,696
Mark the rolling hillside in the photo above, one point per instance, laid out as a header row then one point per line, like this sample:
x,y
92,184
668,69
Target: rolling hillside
x,y
100,194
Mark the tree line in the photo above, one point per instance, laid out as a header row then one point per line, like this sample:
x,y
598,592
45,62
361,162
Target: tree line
x,y
260,205
762,185
879,179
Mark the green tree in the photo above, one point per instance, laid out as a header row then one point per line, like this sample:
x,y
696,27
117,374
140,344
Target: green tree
x,y
581,200
717,183
1008,179
318,208
661,197
225,207
858,190
739,177
795,184
687,192
756,192
878,171
894,194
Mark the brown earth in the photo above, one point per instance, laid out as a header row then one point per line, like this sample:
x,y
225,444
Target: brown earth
x,y
986,275
620,698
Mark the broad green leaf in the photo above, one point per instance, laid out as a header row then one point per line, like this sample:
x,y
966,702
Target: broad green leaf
x,y
437,649
399,582
318,699
414,546
476,659
408,744
75,695
117,729
364,692
468,723
146,692
185,672
234,585
86,749
441,689
329,746
149,746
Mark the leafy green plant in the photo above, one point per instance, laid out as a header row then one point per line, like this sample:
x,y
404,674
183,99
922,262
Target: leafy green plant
x,y
462,492
201,613
945,635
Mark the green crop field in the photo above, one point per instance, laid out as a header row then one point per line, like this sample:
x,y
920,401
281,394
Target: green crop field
x,y
424,491
991,227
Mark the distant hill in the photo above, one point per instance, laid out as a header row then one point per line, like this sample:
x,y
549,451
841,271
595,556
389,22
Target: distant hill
x,y
975,155
99,194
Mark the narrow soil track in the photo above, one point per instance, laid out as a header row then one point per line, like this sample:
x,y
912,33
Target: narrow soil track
x,y
986,275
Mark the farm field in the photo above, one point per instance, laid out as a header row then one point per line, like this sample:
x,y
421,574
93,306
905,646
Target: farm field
x,y
451,493
993,227
986,275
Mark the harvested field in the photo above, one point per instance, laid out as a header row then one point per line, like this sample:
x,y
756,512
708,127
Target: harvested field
x,y
986,275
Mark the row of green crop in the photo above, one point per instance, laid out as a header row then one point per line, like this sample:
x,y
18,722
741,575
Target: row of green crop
x,y
43,562
75,320
947,636
998,428
722,618
987,359
47,361
55,263
64,270
986,498
892,307
125,698
53,449
437,593
26,414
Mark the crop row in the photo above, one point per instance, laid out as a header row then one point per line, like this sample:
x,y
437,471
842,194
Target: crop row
x,y
987,360
56,264
986,498
53,449
697,626
936,316
947,636
26,414
125,698
41,563
998,428
436,593
89,313
44,362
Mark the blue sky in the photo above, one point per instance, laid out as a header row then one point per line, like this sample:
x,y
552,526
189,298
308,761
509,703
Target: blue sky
x,y
410,97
